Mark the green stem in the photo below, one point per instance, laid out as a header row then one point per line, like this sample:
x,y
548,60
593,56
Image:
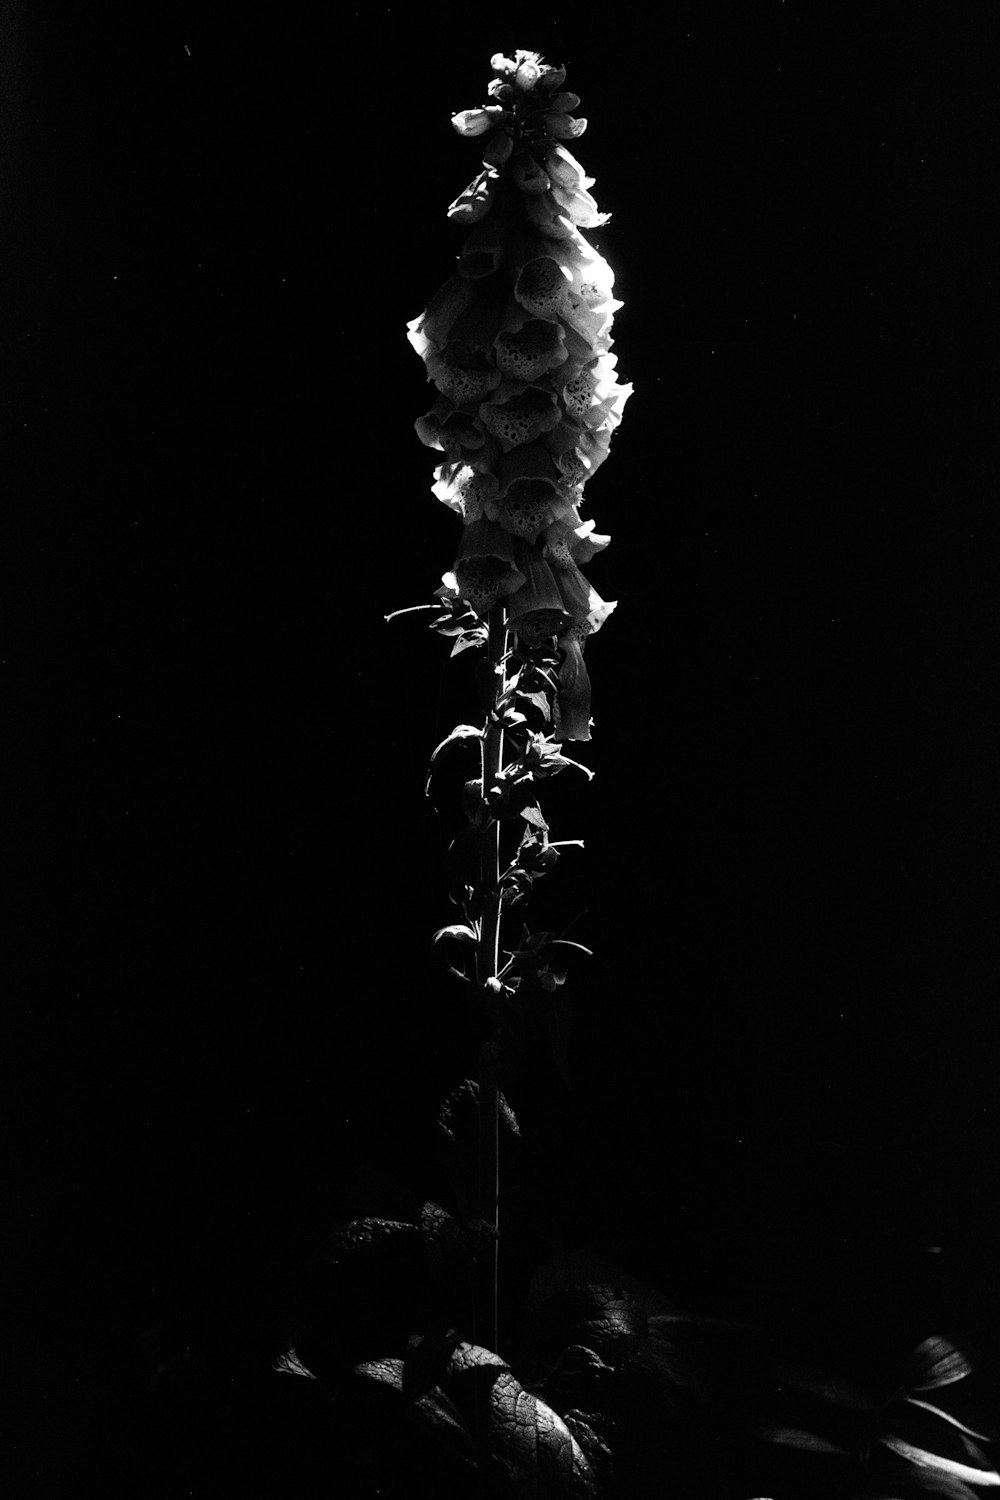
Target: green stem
x,y
487,964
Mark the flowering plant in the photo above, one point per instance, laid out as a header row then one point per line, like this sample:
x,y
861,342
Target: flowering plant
x,y
517,344
617,1393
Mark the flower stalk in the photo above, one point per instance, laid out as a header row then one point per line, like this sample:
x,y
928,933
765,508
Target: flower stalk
x,y
517,344
487,969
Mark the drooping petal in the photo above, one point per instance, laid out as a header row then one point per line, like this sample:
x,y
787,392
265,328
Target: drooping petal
x,y
572,705
585,543
570,541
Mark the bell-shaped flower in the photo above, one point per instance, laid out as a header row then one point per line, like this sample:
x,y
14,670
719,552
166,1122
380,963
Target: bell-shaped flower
x,y
572,705
592,446
477,200
531,492
486,568
450,430
563,443
462,372
532,461
556,600
542,286
485,247
470,494
527,347
588,329
570,542
529,505
529,352
519,413
582,602
582,264
536,611
464,309
592,394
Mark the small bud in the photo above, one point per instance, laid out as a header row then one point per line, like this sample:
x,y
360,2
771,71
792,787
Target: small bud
x,y
528,174
527,76
474,204
476,121
552,78
501,144
562,127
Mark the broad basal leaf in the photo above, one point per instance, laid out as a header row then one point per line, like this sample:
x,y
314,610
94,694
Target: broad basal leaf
x,y
529,1435
521,1432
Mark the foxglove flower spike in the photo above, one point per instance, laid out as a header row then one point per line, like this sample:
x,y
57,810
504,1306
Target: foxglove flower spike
x,y
518,345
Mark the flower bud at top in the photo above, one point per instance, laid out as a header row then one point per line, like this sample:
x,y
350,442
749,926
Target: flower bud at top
x,y
527,75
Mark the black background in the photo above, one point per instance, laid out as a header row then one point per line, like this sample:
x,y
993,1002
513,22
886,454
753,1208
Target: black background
x,y
223,1019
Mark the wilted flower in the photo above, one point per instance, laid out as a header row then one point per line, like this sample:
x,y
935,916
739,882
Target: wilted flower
x,y
517,344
